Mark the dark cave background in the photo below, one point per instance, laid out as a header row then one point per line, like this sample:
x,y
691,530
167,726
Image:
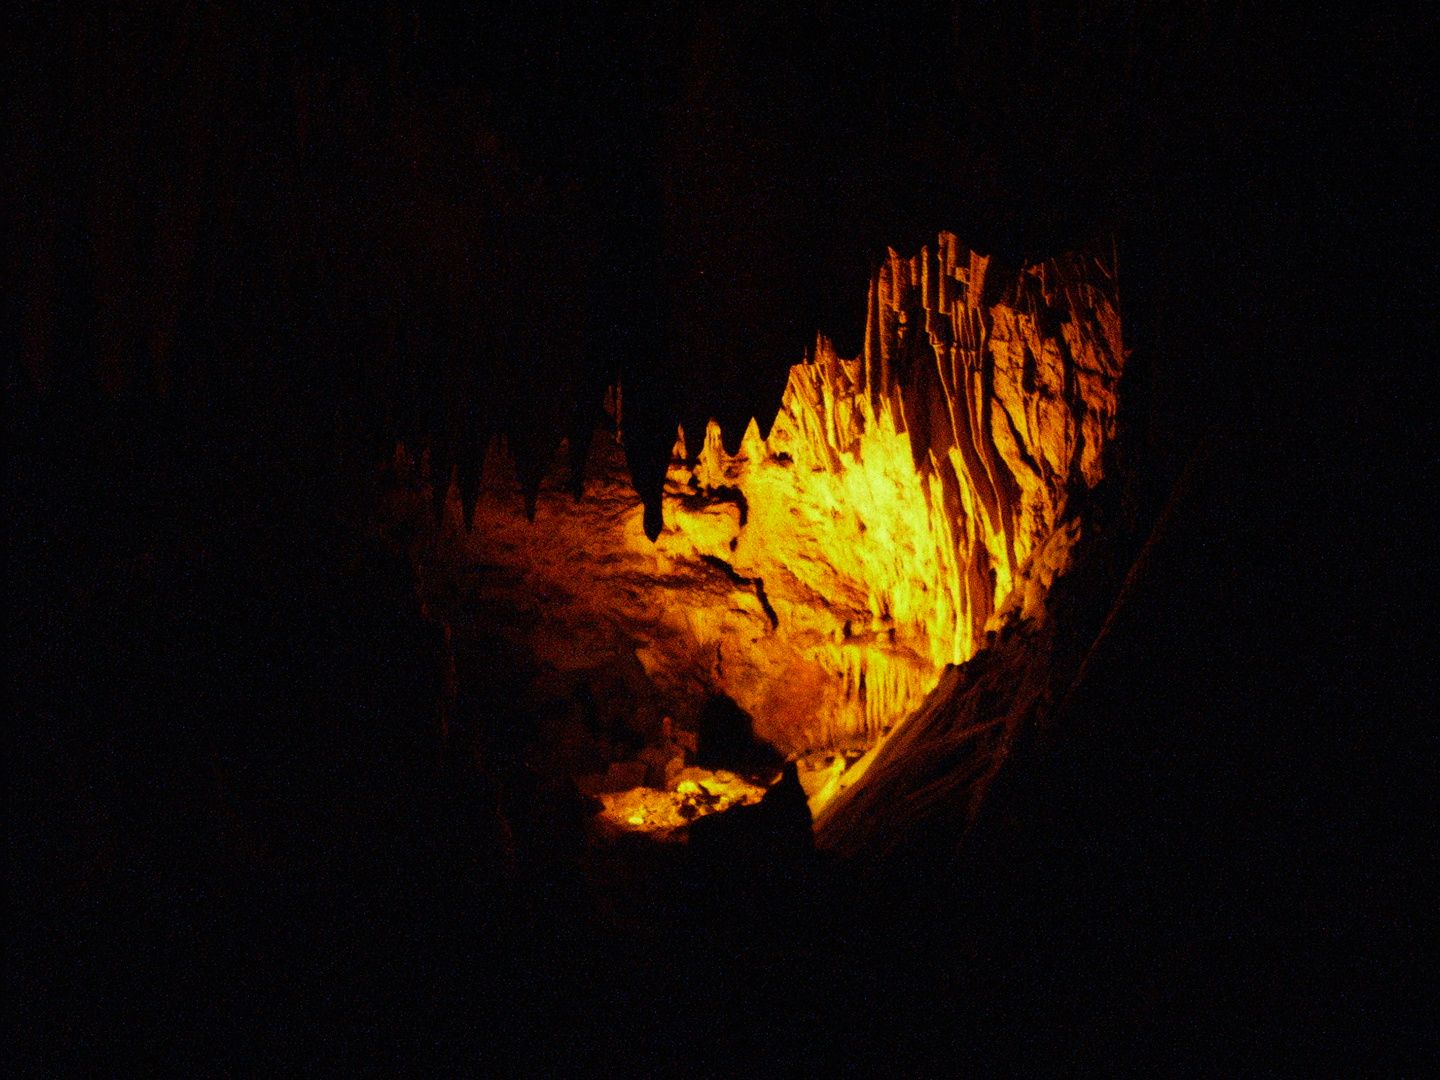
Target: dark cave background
x,y
249,249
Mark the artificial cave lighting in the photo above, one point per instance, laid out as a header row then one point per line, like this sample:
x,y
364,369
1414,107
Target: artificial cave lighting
x,y
904,504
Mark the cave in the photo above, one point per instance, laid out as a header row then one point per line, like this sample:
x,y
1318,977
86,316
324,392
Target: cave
x,y
714,539
807,592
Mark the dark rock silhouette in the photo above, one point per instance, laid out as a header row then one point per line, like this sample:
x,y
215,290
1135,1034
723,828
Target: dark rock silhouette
x,y
775,828
728,741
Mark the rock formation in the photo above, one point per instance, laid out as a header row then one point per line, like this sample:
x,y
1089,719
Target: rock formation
x,y
904,504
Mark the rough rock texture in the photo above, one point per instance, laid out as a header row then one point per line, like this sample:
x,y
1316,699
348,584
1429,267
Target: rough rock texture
x,y
903,504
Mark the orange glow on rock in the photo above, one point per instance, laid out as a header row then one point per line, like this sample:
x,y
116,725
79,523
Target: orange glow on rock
x,y
906,502
664,813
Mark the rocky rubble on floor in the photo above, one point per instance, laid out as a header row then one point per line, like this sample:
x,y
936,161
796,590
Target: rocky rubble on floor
x,y
664,813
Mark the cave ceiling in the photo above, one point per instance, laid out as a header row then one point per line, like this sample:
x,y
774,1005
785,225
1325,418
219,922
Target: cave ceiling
x,y
440,224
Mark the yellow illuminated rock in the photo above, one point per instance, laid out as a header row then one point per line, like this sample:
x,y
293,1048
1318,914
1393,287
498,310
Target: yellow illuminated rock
x,y
665,813
906,502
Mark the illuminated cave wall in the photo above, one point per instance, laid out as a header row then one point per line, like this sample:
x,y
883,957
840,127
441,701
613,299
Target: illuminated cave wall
x,y
904,503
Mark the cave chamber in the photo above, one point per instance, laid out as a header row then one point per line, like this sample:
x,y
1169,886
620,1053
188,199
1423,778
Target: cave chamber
x,y
816,585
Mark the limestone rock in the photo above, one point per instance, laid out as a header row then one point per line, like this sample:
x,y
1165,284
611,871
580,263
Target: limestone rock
x,y
906,502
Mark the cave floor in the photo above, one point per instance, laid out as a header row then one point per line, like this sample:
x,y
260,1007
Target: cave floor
x,y
242,843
